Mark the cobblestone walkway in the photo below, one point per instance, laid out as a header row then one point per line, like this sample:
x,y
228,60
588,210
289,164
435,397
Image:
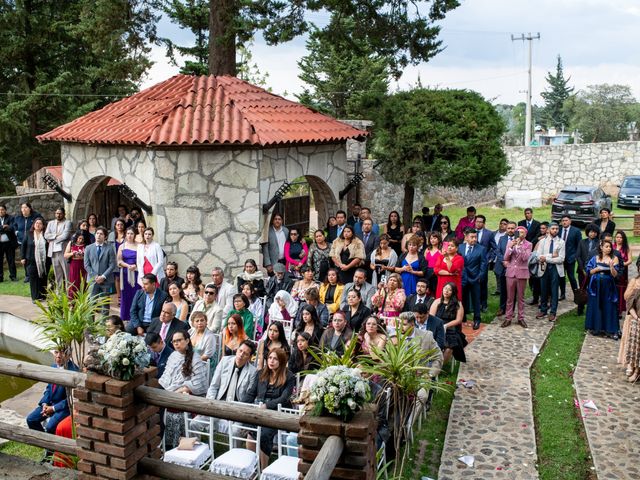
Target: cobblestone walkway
x,y
493,421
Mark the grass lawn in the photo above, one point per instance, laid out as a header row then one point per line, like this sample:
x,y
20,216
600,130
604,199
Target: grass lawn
x,y
22,450
562,445
14,288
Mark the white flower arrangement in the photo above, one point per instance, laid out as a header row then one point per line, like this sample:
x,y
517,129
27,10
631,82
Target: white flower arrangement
x,y
122,356
340,391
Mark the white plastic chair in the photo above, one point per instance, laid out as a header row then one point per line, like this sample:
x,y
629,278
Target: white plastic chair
x,y
202,454
286,466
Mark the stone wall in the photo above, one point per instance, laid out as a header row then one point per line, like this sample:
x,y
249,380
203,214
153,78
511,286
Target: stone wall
x,y
550,168
44,203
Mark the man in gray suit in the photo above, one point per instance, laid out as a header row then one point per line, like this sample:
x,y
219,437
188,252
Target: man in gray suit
x,y
58,233
273,250
100,264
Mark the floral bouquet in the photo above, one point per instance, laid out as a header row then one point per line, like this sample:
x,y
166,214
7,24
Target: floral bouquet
x,y
122,356
340,391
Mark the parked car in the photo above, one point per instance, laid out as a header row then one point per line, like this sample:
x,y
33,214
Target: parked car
x,y
581,202
629,196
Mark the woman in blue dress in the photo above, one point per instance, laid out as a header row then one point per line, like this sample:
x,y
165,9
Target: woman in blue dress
x,y
412,265
128,276
602,305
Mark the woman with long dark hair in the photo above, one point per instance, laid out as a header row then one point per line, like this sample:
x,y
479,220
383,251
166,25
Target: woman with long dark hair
x,y
449,309
331,291
449,267
338,335
629,355
383,260
319,259
411,265
150,257
275,338
176,296
295,251
310,324
185,373
301,359
621,245
347,253
395,230
445,230
602,310
34,257
74,254
92,226
192,287
432,254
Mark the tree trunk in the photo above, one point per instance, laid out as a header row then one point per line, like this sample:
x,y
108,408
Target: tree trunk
x,y
222,37
407,206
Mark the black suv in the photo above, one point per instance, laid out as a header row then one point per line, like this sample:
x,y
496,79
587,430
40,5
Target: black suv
x,y
581,202
629,196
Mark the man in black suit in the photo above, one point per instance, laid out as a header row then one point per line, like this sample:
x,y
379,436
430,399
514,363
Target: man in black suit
x,y
486,238
160,349
8,244
146,305
533,234
424,321
279,281
571,236
419,297
171,276
371,242
335,231
355,214
432,222
167,324
587,249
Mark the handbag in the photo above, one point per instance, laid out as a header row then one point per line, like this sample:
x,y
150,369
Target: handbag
x,y
580,295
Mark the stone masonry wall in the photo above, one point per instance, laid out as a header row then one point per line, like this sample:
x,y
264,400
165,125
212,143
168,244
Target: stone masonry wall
x,y
44,203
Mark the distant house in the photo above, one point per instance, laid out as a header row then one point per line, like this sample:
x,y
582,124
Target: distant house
x,y
550,137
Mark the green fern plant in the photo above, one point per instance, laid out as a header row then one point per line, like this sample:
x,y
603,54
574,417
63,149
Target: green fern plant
x,y
329,358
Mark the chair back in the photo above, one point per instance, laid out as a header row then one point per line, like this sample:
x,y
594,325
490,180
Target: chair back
x,y
286,448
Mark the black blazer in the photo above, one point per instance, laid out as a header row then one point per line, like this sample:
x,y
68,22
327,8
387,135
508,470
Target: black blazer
x,y
164,283
532,233
345,338
175,326
10,232
372,243
138,303
411,302
360,316
611,226
271,395
28,251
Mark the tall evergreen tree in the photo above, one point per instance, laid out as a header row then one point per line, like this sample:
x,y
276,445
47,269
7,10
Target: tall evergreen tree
x,y
558,92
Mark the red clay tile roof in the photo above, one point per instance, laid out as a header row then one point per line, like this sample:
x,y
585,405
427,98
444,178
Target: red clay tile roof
x,y
206,110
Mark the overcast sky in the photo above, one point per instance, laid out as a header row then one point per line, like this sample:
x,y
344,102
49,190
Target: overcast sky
x,y
599,41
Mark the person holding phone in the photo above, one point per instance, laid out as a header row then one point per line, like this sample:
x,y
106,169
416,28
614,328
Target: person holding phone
x,y
517,273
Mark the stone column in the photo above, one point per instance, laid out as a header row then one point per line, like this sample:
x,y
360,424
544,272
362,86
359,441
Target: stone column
x,y
114,431
358,459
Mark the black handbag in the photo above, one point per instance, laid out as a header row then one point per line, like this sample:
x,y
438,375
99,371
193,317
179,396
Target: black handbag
x,y
580,295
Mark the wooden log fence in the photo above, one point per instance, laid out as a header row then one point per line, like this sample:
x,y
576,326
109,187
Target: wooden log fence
x,y
326,460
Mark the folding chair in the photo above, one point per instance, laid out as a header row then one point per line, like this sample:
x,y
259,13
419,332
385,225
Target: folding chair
x,y
202,454
286,466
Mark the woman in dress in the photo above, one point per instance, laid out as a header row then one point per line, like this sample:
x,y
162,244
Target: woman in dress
x,y
305,283
185,373
92,225
116,238
412,265
331,222
233,335
602,310
255,307
449,309
432,254
275,387
372,333
251,275
621,245
631,352
331,291
445,230
449,267
176,296
383,259
203,340
295,252
241,308
395,231
127,261
389,300
209,306
275,338
193,288
74,253
356,311
34,257
604,223
319,259
336,338
347,253
310,324
150,257
141,226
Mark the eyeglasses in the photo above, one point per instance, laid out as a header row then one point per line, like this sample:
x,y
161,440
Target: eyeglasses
x,y
209,293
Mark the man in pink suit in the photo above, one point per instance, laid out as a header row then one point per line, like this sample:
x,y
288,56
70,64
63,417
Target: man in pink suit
x,y
468,221
517,257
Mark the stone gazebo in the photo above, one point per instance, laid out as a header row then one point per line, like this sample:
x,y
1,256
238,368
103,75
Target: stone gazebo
x,y
205,153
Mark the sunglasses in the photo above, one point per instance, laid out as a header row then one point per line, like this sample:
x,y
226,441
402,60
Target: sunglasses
x,y
209,293
444,223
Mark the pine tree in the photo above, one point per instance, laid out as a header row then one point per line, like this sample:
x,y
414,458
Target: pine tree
x,y
555,96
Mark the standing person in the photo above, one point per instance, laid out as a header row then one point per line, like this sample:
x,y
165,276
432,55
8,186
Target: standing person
x,y
587,249
92,226
370,241
365,214
604,223
273,249
432,254
58,233
295,252
395,230
123,214
571,237
466,222
146,305
501,232
389,300
355,214
33,251
411,265
171,276
416,230
126,258
621,245
8,244
433,221
532,226
486,239
319,259
100,263
448,309
475,267
116,237
74,254
500,267
445,231
449,268
22,224
602,312
517,273
150,258
551,255
347,252
341,222
141,226
382,260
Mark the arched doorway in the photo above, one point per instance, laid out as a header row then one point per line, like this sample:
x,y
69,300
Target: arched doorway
x,y
101,196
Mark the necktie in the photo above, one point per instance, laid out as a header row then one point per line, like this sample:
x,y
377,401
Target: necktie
x,y
99,251
163,331
551,247
366,238
564,237
479,236
528,225
231,391
469,250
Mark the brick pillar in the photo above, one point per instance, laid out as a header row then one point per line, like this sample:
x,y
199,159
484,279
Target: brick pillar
x,y
358,459
114,430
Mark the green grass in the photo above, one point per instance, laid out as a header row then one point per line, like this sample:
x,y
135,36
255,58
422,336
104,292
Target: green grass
x,y
22,450
14,288
562,446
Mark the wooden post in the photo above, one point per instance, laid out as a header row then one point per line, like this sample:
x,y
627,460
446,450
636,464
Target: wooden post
x,y
636,224
113,430
358,458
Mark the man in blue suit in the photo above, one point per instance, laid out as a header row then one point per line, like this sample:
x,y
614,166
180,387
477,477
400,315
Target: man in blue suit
x,y
161,351
500,268
486,239
475,267
146,305
53,406
572,237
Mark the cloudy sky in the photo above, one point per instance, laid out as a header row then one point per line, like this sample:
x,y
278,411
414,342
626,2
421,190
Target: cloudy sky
x,y
599,41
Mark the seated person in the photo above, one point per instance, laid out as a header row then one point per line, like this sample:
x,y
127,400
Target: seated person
x,y
233,335
424,321
313,299
146,305
279,281
167,324
235,378
160,351
275,338
301,360
337,337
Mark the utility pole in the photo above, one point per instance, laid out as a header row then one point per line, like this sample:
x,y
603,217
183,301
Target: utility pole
x,y
527,128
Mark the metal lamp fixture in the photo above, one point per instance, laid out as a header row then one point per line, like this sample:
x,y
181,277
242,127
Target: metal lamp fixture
x,y
53,184
131,195
281,192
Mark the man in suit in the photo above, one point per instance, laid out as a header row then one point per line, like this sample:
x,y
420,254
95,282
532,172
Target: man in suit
x,y
498,234
355,214
486,239
58,234
419,297
100,264
423,338
146,305
235,378
475,267
8,244
500,267
167,324
161,351
225,290
336,230
587,249
424,321
517,258
466,222
273,250
53,406
171,276
571,237
551,254
532,226
359,283
371,242
365,214
433,221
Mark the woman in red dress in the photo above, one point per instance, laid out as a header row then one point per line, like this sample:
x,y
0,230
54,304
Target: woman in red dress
x,y
74,254
449,268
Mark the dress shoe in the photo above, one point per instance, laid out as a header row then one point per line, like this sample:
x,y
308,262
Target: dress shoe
x,y
523,324
552,318
499,313
541,314
26,280
476,324
561,298
505,323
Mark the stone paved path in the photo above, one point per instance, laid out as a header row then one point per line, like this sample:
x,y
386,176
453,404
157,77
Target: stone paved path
x,y
493,421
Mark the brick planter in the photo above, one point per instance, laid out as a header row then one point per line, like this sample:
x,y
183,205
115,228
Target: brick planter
x,y
113,430
358,459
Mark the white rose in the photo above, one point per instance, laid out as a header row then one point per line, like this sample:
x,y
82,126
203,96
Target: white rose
x,y
125,361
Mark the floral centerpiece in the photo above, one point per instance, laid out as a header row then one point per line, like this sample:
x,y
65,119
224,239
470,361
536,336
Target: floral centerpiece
x,y
340,391
122,356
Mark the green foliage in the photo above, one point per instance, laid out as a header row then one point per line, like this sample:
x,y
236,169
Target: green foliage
x,y
329,358
247,69
558,92
602,113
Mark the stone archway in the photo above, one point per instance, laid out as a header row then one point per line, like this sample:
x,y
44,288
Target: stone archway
x,y
325,201
100,195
